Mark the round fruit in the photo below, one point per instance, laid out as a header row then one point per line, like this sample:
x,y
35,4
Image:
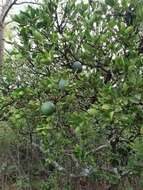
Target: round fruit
x,y
62,84
77,66
48,108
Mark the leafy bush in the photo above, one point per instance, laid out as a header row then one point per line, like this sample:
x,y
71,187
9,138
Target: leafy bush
x,y
99,116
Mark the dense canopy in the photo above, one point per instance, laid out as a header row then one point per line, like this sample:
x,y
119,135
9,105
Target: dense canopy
x,y
71,97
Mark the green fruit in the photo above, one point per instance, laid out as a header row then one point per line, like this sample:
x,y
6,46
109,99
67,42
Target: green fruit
x,y
62,84
48,108
77,66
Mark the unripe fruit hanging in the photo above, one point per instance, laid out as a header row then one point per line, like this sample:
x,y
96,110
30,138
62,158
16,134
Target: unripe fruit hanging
x,y
77,66
48,108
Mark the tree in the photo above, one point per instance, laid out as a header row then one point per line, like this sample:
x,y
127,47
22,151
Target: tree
x,y
96,128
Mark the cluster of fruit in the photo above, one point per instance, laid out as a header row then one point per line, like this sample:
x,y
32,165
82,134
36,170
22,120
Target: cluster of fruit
x,y
48,107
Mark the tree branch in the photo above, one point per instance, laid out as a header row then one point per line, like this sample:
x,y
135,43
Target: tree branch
x,y
6,11
28,2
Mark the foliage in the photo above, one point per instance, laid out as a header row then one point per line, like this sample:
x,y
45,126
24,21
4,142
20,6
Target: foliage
x,y
96,130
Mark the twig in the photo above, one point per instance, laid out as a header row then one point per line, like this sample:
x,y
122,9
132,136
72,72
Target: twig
x,y
7,10
28,2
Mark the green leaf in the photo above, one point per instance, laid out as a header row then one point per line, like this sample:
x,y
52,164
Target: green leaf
x,y
110,2
106,107
111,115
